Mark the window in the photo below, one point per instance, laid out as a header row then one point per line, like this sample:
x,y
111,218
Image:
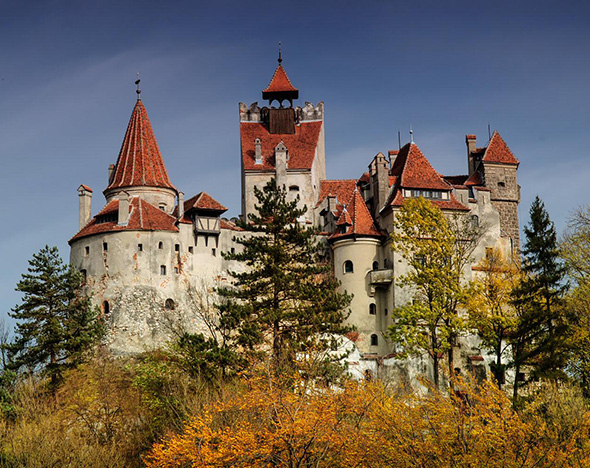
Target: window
x,y
233,250
375,265
501,184
140,247
176,270
177,247
162,206
86,251
372,309
106,310
160,245
374,340
169,304
162,270
293,188
474,221
190,250
105,246
385,263
348,267
427,194
83,273
214,252
386,312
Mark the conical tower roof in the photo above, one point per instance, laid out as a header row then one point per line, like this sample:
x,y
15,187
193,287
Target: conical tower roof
x,y
280,87
140,163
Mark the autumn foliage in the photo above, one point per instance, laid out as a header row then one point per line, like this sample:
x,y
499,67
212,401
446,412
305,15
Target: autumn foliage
x,y
367,425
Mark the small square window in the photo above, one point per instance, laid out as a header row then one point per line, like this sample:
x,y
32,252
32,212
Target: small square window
x,y
177,247
233,250
140,247
190,250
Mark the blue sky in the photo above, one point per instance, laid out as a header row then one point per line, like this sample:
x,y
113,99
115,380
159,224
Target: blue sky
x,y
447,68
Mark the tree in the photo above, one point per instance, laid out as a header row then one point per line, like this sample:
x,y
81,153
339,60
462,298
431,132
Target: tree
x,y
575,251
284,303
56,324
540,338
490,308
437,249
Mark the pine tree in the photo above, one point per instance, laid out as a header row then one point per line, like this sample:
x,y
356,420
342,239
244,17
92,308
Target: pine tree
x,y
540,338
285,303
56,325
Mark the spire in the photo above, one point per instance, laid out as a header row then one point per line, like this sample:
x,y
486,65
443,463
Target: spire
x,y
280,86
140,162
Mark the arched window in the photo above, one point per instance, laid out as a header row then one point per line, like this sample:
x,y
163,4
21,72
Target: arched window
x,y
160,245
348,267
374,340
106,310
474,221
293,188
372,309
375,265
169,304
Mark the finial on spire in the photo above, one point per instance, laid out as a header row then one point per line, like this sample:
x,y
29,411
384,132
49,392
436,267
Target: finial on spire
x,y
411,134
138,91
280,58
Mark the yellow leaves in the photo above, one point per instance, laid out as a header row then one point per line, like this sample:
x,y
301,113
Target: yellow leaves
x,y
365,425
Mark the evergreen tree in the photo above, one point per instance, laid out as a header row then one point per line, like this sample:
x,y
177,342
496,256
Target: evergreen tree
x,y
56,325
285,302
541,333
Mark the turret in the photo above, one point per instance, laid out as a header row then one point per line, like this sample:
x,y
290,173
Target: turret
x,y
85,205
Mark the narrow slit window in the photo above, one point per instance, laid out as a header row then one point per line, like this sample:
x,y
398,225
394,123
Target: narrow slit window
x,y
163,270
105,246
140,247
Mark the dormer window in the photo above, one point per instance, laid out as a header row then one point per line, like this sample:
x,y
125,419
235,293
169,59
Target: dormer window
x,y
162,206
431,194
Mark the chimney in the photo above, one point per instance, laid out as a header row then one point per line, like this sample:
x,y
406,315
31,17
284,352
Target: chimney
x,y
123,209
392,156
180,205
85,200
281,163
332,201
111,172
379,181
257,151
470,140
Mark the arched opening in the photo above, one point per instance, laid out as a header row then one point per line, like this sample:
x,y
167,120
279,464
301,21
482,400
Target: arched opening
x,y
106,309
372,309
169,304
374,340
348,267
160,245
375,265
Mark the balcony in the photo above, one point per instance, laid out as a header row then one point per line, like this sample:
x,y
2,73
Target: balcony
x,y
206,225
379,279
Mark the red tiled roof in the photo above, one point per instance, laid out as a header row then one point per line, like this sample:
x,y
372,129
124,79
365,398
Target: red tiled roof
x,y
361,222
474,179
203,201
279,82
85,187
455,180
224,224
140,162
498,151
414,170
341,189
344,218
301,145
143,217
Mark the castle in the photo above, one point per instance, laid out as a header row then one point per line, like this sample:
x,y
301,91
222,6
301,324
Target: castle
x,y
151,258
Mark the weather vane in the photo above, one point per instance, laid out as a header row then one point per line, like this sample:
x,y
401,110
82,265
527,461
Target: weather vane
x,y
138,91
411,134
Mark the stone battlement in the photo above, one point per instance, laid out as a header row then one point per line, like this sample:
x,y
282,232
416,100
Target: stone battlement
x,y
307,113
